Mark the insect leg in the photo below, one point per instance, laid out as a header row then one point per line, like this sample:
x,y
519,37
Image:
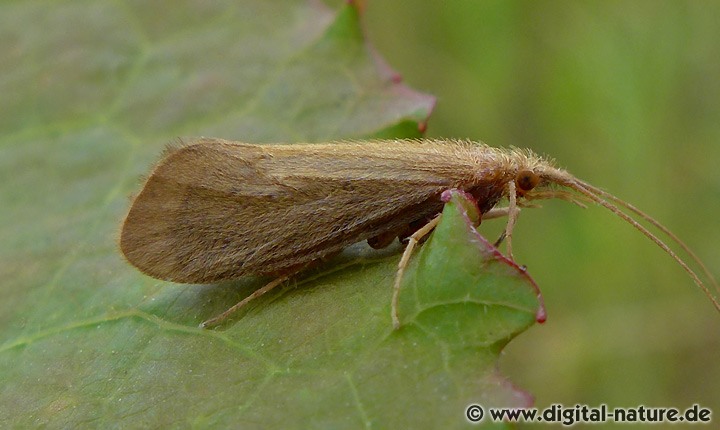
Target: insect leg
x,y
512,217
499,240
496,213
413,240
257,293
501,212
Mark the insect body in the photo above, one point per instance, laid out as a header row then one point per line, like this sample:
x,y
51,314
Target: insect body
x,y
214,210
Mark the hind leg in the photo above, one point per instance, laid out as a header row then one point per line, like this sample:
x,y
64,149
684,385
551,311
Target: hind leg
x,y
413,241
257,293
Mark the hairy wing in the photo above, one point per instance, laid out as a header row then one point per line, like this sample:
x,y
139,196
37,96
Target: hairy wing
x,y
216,210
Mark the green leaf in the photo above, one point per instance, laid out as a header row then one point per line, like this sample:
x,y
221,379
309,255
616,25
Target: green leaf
x,y
465,291
92,91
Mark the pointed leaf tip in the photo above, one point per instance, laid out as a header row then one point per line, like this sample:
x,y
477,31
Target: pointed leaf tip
x,y
460,280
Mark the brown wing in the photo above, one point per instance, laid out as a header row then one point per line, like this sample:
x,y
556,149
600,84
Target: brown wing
x,y
217,210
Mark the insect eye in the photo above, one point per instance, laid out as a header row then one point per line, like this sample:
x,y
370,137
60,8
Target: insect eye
x,y
526,180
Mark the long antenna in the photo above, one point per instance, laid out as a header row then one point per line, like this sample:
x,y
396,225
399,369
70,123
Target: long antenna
x,y
591,191
657,224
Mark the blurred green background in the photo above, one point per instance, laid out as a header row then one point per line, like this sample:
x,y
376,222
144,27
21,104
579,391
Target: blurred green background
x,y
625,95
